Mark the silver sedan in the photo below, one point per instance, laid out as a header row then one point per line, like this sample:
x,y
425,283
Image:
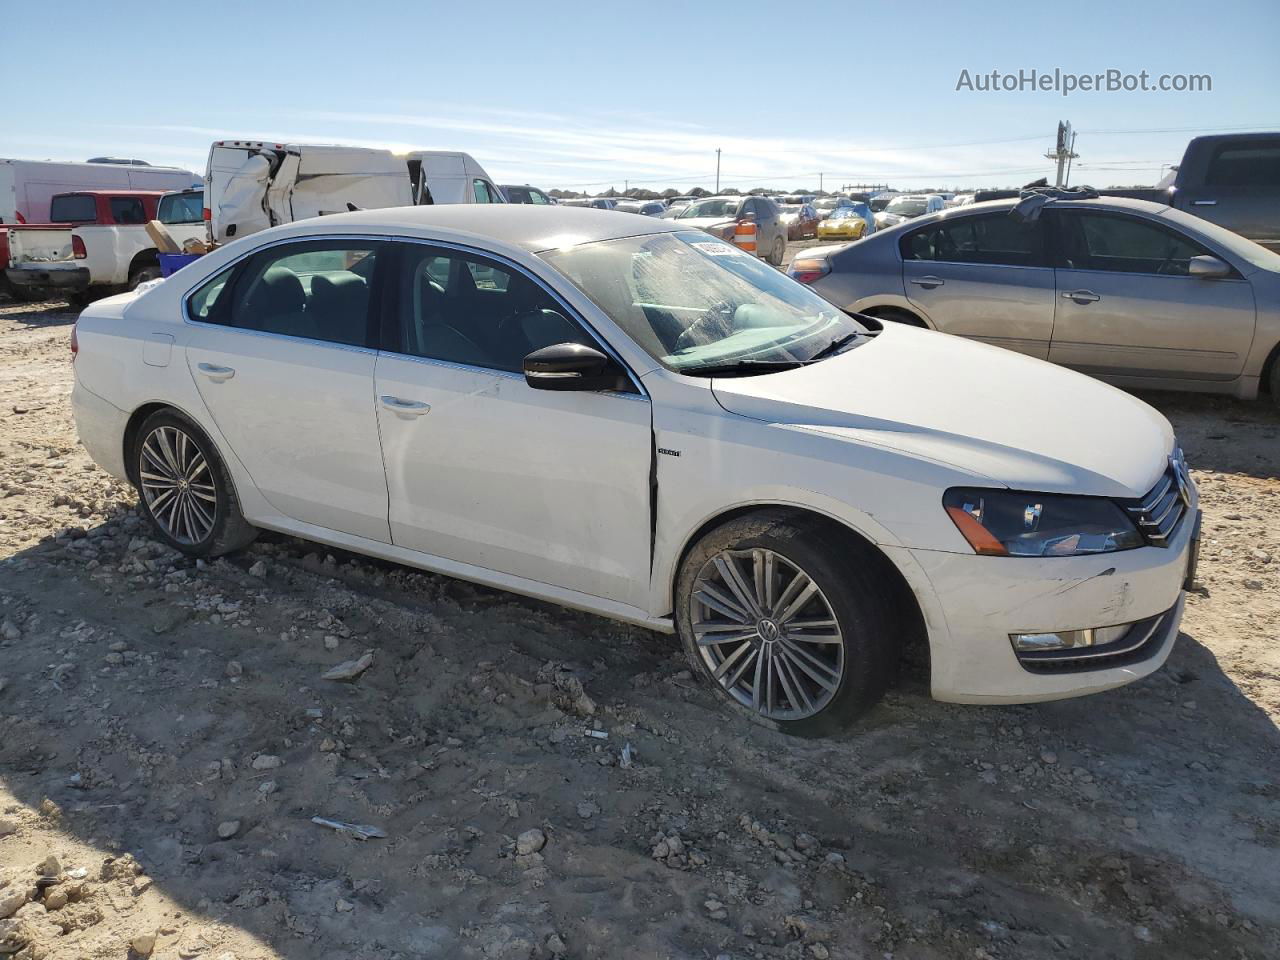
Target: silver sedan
x,y
1135,293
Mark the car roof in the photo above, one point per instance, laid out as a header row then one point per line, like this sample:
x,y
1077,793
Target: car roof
x,y
534,228
994,206
108,192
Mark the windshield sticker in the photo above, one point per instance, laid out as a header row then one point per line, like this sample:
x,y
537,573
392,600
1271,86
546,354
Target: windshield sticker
x,y
719,250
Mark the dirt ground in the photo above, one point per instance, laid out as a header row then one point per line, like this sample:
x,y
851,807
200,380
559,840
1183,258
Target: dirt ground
x,y
166,738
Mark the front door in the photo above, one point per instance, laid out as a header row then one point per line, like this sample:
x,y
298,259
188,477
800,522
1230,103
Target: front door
x,y
1128,307
280,355
483,469
984,276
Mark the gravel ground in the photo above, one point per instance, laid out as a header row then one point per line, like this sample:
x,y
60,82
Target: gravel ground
x,y
166,738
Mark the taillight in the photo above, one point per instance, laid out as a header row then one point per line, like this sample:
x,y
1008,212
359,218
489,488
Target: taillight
x,y
207,214
21,218
75,344
77,248
807,271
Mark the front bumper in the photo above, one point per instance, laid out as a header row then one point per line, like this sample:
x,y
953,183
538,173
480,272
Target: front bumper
x,y
49,276
979,601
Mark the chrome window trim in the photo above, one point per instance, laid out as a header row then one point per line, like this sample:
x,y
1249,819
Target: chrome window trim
x,y
572,314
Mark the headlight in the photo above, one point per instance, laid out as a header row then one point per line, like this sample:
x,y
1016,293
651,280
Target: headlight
x,y
1005,523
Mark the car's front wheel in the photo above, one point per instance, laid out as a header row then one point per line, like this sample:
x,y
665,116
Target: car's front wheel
x,y
779,251
184,488
776,614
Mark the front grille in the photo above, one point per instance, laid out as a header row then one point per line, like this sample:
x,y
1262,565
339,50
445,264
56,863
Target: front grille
x,y
1158,514
1141,642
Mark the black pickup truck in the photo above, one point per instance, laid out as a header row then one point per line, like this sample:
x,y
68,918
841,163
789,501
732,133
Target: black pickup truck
x,y
1231,179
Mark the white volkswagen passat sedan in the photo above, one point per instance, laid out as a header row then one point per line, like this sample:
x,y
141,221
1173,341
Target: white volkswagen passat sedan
x,y
627,417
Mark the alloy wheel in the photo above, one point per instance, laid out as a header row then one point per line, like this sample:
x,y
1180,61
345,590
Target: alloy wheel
x,y
767,633
178,485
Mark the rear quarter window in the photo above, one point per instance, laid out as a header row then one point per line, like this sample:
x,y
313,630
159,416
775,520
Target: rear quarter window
x,y
73,208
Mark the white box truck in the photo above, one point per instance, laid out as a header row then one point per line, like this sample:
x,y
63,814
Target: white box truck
x,y
254,184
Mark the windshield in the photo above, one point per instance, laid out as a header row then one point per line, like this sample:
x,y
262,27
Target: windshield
x,y
693,302
715,207
907,206
841,213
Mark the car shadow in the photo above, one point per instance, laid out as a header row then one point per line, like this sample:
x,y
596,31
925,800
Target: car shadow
x,y
54,313
145,687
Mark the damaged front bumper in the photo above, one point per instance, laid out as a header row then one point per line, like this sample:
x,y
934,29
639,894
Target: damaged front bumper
x,y
982,603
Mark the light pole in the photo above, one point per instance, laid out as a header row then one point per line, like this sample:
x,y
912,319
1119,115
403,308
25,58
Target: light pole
x,y
717,169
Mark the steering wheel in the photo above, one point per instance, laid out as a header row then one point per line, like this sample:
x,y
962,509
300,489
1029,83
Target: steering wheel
x,y
717,319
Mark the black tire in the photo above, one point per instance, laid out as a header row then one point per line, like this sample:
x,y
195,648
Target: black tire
x,y
142,273
1274,381
852,591
227,529
779,251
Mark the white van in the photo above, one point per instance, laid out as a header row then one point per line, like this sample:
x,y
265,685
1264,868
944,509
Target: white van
x,y
26,186
252,184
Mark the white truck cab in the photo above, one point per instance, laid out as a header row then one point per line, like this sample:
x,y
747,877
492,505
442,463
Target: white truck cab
x,y
254,184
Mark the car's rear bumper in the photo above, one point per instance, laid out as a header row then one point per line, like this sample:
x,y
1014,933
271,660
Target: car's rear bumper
x,y
67,277
978,602
101,427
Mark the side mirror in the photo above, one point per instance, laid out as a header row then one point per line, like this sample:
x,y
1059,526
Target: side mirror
x,y
571,366
1208,268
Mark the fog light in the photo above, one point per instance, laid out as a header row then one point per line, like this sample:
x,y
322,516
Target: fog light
x,y
1068,639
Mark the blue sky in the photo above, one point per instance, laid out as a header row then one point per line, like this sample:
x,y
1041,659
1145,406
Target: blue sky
x,y
598,94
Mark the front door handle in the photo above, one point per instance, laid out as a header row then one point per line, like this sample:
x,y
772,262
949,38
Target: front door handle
x,y
405,409
216,373
1080,296
928,282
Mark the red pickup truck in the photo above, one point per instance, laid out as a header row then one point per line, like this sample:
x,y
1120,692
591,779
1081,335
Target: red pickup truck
x,y
96,241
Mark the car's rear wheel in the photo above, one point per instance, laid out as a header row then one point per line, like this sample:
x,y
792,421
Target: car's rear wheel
x,y
774,613
143,274
184,488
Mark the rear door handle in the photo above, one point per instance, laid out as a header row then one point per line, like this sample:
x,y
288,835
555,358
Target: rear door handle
x,y
1080,296
1204,203
928,282
405,409
216,373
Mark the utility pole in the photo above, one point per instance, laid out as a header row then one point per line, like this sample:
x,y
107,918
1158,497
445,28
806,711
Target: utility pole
x,y
717,169
1071,154
819,182
1062,151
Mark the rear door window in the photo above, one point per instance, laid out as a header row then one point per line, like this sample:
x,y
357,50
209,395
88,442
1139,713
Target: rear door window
x,y
73,208
996,239
127,211
1254,164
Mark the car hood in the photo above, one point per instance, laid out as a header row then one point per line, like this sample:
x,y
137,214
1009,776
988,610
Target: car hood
x,y
1004,416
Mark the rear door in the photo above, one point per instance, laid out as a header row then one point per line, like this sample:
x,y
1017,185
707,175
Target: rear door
x,y
279,349
1241,190
986,277
1127,306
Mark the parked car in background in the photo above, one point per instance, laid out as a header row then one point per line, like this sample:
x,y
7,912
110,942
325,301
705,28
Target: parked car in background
x,y
251,184
880,201
719,216
800,219
825,205
847,223
526,194
1231,179
903,208
182,213
643,422
97,243
1136,293
648,208
28,186
676,205
598,203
